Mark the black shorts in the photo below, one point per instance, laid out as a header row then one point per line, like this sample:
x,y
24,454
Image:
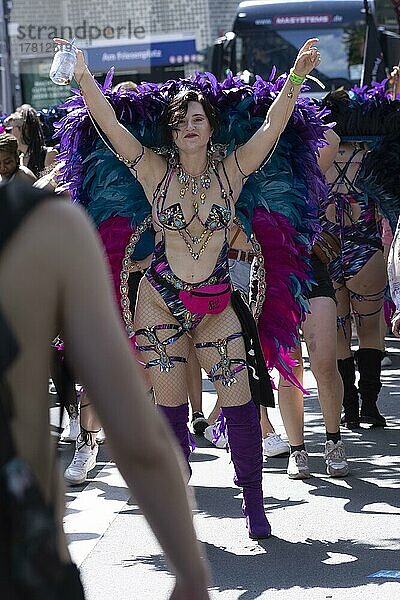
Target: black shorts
x,y
323,287
133,287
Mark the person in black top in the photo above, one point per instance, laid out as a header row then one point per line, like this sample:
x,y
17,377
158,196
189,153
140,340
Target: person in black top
x,y
34,308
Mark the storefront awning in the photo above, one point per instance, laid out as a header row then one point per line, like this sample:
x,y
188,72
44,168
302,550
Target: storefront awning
x,y
141,56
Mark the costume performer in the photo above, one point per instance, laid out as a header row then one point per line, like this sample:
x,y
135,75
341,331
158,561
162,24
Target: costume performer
x,y
322,350
367,121
183,301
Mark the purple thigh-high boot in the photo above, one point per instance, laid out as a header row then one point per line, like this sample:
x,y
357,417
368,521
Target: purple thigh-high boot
x,y
178,417
245,441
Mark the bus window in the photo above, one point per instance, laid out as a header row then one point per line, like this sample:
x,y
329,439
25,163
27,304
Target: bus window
x,y
342,47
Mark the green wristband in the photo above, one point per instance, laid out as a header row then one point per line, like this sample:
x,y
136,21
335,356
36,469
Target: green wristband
x,y
296,79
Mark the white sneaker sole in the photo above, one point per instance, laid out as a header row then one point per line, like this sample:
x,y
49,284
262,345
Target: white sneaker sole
x,y
300,475
74,481
276,452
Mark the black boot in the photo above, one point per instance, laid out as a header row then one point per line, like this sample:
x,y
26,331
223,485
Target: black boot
x,y
347,372
369,367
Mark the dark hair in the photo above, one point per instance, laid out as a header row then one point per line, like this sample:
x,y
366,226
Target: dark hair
x,y
9,143
177,109
32,136
363,119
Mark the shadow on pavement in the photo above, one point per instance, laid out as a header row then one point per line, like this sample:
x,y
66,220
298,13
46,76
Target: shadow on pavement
x,y
282,565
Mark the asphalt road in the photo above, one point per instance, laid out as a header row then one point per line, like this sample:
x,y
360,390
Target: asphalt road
x,y
332,538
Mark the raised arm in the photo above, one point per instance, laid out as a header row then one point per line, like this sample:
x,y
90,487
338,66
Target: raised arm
x,y
140,442
251,155
124,143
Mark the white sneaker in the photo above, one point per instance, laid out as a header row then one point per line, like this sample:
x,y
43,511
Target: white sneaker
x,y
335,458
298,465
83,461
71,431
101,437
209,434
274,445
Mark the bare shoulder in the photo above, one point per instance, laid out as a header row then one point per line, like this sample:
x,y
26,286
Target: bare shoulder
x,y
64,217
157,159
59,224
332,138
153,170
25,174
230,168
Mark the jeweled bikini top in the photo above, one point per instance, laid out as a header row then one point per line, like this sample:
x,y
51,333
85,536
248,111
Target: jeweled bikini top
x,y
172,217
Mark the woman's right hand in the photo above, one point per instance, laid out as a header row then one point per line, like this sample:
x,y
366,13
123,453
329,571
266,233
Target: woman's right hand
x,y
80,65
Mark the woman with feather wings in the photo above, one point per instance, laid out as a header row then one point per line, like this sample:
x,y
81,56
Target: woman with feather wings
x,y
184,300
368,123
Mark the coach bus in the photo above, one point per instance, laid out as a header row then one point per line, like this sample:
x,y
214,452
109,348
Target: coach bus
x,y
268,33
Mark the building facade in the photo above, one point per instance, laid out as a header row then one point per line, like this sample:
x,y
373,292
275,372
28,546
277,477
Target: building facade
x,y
144,39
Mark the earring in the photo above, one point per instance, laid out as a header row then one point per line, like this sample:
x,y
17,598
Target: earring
x,y
174,155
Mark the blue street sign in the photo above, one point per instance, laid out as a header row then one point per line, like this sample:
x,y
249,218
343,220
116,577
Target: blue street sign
x,y
144,55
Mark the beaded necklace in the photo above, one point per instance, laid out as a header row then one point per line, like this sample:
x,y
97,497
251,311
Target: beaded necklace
x,y
191,181
196,244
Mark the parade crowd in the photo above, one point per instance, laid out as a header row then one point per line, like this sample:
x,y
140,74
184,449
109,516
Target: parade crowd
x,y
154,241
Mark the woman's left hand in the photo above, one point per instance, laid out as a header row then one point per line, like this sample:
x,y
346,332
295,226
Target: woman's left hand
x,y
307,59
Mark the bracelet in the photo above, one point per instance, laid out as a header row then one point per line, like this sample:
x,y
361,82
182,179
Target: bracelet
x,y
294,78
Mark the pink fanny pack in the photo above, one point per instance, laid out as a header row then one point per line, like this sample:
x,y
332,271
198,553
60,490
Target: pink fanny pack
x,y
208,299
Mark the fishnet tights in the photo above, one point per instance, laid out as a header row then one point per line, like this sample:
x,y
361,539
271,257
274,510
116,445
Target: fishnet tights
x,y
170,386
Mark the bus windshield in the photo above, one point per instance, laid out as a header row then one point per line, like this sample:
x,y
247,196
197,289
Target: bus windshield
x,y
341,50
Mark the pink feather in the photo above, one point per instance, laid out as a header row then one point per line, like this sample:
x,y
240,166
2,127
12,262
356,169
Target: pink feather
x,y
281,314
115,233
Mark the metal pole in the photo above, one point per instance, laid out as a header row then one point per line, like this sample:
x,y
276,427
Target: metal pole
x,y
6,102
